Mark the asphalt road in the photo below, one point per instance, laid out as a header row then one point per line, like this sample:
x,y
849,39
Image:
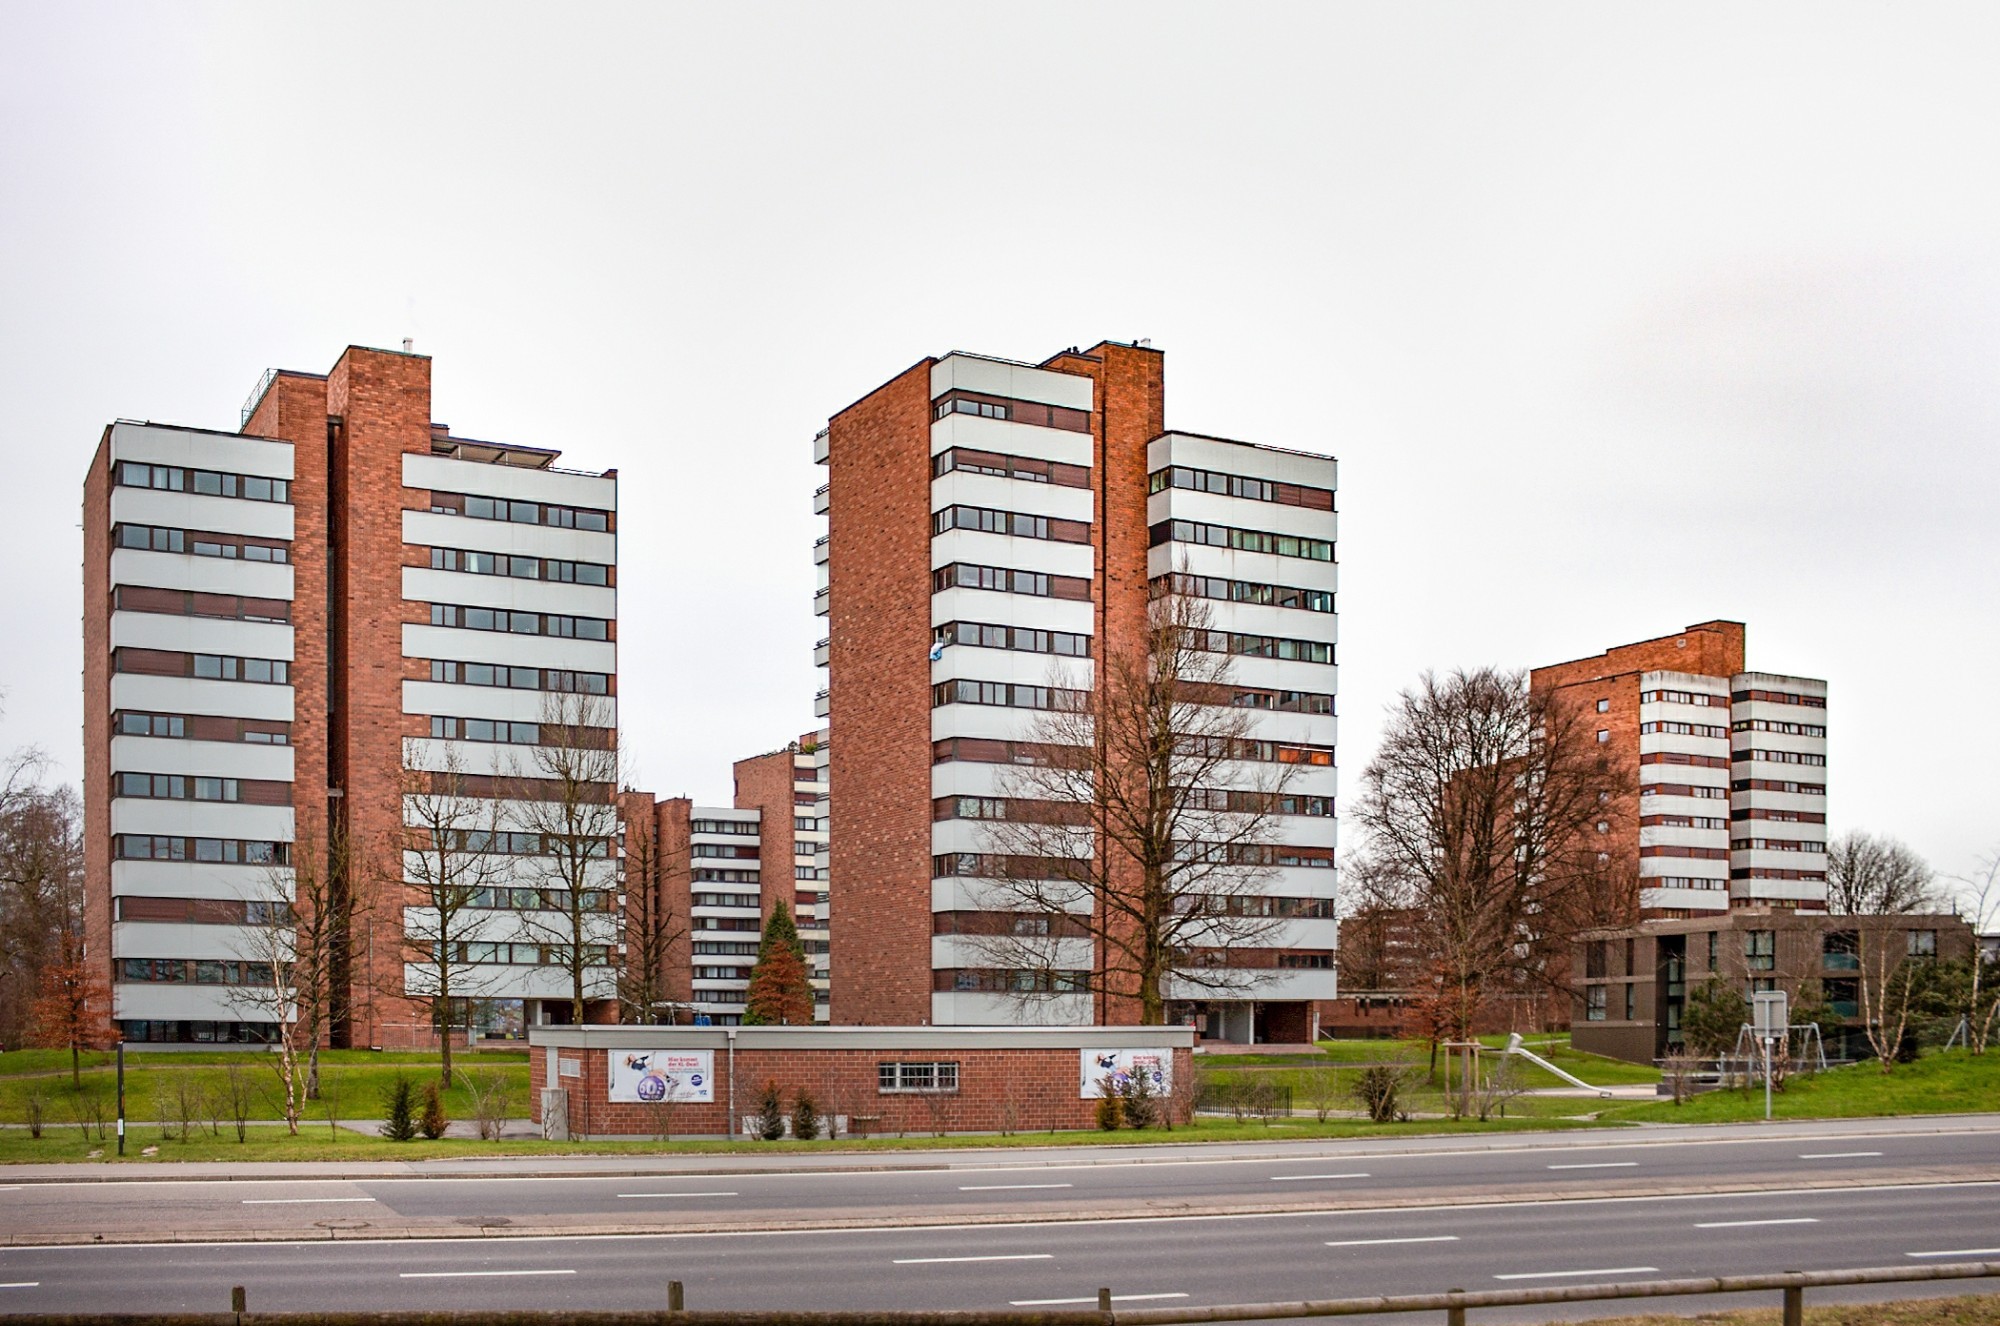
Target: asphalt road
x,y
710,1194
1157,1261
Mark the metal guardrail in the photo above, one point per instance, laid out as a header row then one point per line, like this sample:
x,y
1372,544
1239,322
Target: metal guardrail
x,y
1454,1304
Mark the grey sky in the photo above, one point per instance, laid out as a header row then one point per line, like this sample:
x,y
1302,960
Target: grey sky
x,y
1619,317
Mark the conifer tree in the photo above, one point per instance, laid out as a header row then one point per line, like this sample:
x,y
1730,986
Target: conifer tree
x,y
780,992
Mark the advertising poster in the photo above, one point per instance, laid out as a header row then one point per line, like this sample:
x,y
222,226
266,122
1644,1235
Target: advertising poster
x,y
651,1077
1120,1065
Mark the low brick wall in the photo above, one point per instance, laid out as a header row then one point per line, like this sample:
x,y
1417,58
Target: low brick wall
x,y
1008,1079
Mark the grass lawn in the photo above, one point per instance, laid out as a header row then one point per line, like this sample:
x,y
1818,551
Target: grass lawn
x,y
1967,1311
352,1083
1944,1082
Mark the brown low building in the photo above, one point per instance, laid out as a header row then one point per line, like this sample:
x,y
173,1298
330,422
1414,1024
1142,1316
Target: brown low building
x,y
1632,984
692,1081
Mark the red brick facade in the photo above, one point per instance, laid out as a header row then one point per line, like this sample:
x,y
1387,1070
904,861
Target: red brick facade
x,y
1006,1086
764,784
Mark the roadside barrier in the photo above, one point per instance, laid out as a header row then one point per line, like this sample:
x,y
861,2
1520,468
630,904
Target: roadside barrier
x,y
1456,1305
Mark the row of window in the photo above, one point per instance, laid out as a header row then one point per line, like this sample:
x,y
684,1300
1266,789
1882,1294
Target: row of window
x,y
1777,845
726,851
201,911
224,851
1030,468
1254,854
721,973
520,623
1782,697
1771,725
1015,695
1242,540
1788,816
1684,729
1691,853
1305,962
189,603
519,513
985,980
1002,580
202,727
935,1077
1675,697
522,955
193,971
997,865
201,543
1242,802
1027,639
1778,785
1239,485
712,875
556,569
981,406
1765,872
1019,524
208,483
485,729
747,828
1225,590
1677,757
1683,821
180,787
749,900
212,667
987,750
539,900
509,843
1684,790
566,680
1682,882
1782,756
747,923
1269,646
718,948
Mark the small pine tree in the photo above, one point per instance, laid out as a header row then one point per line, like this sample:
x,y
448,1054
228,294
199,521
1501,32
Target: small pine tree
x,y
1110,1106
781,993
432,1125
805,1116
770,1112
1139,1102
399,1123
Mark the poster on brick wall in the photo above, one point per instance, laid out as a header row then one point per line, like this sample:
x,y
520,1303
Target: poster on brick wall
x,y
655,1077
1120,1066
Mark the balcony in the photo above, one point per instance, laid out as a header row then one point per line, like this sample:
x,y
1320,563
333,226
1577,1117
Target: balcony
x,y
821,600
822,653
820,447
821,703
821,501
820,549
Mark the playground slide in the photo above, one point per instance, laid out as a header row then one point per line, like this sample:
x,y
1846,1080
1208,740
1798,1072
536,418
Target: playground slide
x,y
1514,1046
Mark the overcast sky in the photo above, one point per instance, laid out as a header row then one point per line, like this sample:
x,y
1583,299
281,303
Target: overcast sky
x,y
1619,317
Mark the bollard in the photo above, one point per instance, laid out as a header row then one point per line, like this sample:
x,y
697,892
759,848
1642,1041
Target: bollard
x,y
1795,1306
676,1297
1455,1314
1104,1300
237,1302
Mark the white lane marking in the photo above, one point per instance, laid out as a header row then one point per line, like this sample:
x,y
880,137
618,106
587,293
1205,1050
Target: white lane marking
x,y
1745,1224
677,1194
1062,1302
463,1275
995,1257
296,1201
988,1226
21,1284
1557,1275
1370,1243
1298,1178
1009,1187
1601,1164
1837,1155
1958,1252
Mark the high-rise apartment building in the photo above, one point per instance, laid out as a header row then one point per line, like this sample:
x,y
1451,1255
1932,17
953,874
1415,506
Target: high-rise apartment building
x,y
721,869
1023,516
295,633
1727,767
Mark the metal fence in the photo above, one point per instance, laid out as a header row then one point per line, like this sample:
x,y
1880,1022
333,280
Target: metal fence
x,y
1456,1306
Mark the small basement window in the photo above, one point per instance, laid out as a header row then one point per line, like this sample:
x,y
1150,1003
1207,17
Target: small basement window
x,y
925,1077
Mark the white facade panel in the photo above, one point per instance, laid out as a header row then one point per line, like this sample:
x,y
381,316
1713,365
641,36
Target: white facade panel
x,y
424,529
198,879
194,449
1691,900
209,759
1058,501
1243,513
194,695
201,819
521,706
1230,457
1671,835
162,939
1011,439
1259,984
448,474
982,549
504,981
201,512
1018,666
948,951
204,575
999,377
520,651
953,1008
1267,619
1791,890
1284,674
986,605
1256,567
160,1002
995,722
423,585
953,894
499,758
201,635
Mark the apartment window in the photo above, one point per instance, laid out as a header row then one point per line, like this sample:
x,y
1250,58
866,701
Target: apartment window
x,y
1032,469
1631,1002
208,483
1226,590
1026,639
1923,944
152,725
1840,950
1239,485
1760,949
1712,942
1016,695
1003,580
981,406
1305,961
989,520
1604,706
934,1077
1603,736
1242,540
1596,959
1266,646
1596,1001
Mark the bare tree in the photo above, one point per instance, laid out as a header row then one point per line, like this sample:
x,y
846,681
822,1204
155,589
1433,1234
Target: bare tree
x,y
1979,894
263,992
653,926
568,798
1480,808
41,887
1144,824
1869,875
302,923
454,868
